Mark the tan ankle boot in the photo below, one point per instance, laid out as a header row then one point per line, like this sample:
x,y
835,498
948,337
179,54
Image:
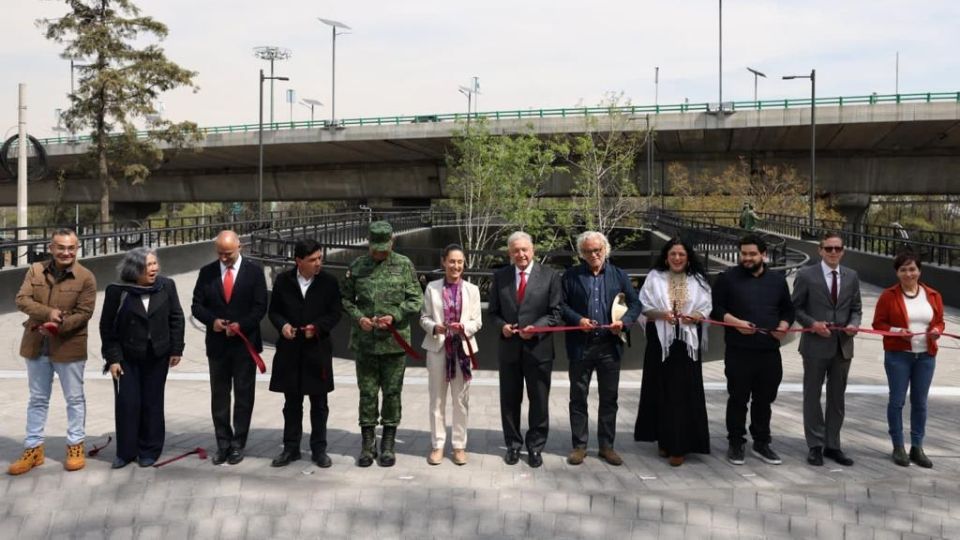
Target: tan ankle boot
x,y
75,460
459,456
435,457
31,457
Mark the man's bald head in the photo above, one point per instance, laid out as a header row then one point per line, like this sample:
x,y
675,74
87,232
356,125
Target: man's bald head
x,y
228,247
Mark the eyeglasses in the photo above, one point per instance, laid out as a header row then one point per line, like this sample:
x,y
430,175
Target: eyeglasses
x,y
597,251
832,249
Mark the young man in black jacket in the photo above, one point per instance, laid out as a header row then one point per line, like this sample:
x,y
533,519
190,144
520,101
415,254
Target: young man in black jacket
x,y
757,301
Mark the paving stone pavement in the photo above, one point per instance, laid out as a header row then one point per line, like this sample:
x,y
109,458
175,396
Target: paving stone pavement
x,y
645,498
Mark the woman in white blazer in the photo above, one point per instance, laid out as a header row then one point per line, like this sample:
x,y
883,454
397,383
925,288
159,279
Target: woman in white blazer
x,y
451,310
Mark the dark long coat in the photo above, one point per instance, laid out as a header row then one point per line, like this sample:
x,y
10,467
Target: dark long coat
x,y
304,365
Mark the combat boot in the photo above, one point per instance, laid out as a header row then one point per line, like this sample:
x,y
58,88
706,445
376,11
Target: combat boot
x,y
387,458
75,460
31,457
369,450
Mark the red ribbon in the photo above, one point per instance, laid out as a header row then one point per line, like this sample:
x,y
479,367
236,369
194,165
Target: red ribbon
x,y
52,328
403,343
550,329
96,449
200,452
254,355
473,358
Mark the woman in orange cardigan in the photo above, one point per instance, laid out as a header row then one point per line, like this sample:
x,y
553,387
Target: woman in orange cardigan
x,y
915,310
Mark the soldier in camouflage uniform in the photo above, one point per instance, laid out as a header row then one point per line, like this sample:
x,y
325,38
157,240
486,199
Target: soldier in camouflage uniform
x,y
380,289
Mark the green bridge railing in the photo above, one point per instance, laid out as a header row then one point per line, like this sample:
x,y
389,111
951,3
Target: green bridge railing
x,y
567,112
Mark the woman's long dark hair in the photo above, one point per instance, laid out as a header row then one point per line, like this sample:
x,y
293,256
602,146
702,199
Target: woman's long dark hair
x,y
694,266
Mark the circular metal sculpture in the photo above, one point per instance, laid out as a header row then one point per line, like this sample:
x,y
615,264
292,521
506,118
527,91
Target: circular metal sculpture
x,y
35,170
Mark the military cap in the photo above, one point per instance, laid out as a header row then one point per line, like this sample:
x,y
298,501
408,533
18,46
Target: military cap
x,y
381,233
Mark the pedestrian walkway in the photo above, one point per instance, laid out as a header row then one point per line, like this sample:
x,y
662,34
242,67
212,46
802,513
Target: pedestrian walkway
x,y
645,498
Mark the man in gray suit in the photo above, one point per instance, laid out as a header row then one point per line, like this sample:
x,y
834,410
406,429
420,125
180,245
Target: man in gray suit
x,y
524,295
825,295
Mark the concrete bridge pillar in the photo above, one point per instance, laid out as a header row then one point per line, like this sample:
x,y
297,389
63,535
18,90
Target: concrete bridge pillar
x,y
852,206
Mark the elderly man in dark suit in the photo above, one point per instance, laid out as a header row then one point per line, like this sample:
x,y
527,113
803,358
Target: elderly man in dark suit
x,y
304,308
590,290
230,296
524,295
825,295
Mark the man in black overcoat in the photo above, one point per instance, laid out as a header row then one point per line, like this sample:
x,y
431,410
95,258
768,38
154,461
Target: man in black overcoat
x,y
304,307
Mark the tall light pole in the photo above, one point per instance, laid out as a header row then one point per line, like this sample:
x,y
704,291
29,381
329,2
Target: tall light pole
x,y
755,75
333,68
271,53
813,139
476,94
656,86
311,103
469,93
22,144
260,145
720,24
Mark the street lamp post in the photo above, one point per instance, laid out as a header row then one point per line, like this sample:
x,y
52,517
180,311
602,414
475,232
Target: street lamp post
x,y
720,47
271,53
813,139
656,87
333,68
755,75
311,103
469,93
260,145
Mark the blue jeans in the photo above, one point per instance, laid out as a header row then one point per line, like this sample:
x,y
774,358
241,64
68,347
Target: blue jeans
x,y
40,379
914,371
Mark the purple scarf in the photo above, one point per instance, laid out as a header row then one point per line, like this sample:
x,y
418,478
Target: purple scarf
x,y
453,345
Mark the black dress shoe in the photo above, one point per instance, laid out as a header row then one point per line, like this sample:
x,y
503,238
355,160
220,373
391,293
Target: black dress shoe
x,y
220,457
815,457
235,456
285,458
534,459
119,463
322,460
146,461
512,457
837,455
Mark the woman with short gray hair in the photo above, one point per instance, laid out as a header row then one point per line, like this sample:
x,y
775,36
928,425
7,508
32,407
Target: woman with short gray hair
x,y
141,328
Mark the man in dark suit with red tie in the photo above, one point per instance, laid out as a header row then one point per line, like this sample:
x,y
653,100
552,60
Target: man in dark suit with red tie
x,y
524,295
230,297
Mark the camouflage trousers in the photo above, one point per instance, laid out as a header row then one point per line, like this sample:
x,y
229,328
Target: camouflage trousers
x,y
380,373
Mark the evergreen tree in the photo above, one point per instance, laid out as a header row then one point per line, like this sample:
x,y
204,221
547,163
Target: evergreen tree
x,y
120,80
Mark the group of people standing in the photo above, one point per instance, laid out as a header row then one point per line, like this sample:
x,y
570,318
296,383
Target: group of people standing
x,y
142,332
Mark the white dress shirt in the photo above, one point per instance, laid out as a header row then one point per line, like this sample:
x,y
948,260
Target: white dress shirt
x,y
304,284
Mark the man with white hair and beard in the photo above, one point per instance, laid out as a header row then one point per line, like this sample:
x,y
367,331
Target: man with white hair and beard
x,y
590,289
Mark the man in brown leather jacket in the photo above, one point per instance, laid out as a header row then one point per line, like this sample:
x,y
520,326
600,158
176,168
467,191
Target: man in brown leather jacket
x,y
58,296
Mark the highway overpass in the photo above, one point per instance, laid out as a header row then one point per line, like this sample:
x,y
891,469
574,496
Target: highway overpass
x,y
864,148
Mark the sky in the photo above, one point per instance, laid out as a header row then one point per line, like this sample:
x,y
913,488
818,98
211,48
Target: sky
x,y
410,56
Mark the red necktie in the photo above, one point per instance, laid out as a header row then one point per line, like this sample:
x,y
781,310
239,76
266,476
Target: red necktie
x,y
833,287
523,287
228,284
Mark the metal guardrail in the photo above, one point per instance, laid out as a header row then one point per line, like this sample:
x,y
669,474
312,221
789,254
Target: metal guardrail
x,y
348,236
935,247
567,112
110,238
722,242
